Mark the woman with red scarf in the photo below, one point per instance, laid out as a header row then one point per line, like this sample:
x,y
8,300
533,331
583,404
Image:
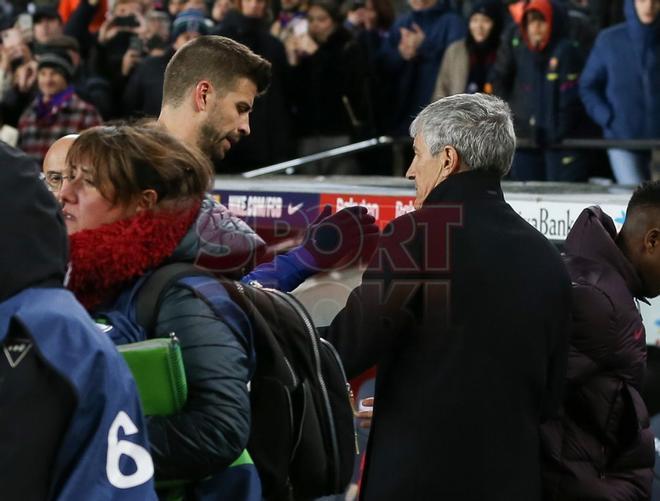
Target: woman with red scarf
x,y
131,205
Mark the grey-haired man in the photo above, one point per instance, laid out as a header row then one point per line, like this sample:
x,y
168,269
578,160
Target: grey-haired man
x,y
465,309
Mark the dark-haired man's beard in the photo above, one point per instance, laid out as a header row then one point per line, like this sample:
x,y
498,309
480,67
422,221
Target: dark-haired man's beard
x,y
210,143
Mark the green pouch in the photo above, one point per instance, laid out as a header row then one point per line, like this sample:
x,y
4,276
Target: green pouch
x,y
158,370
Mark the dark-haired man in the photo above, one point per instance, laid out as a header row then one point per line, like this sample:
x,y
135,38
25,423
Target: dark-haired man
x,y
601,447
209,91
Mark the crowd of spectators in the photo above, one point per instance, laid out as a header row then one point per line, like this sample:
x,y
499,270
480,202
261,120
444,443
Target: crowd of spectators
x,y
348,71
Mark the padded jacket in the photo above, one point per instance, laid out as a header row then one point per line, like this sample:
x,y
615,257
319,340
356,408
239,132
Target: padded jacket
x,y
213,427
601,446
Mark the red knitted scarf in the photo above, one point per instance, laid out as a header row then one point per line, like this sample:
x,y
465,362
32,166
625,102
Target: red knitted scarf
x,y
106,259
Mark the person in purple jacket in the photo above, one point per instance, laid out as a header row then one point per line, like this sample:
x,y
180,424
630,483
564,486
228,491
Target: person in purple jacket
x,y
619,86
601,446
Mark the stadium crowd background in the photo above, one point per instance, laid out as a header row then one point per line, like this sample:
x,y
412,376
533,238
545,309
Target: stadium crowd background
x,y
344,72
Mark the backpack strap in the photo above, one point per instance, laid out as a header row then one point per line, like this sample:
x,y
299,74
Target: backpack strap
x,y
213,290
148,298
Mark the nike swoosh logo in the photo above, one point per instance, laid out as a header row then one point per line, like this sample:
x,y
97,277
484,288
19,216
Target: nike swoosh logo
x,y
292,209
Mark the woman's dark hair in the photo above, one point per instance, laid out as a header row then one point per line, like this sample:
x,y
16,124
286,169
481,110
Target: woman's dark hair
x,y
331,7
125,160
494,10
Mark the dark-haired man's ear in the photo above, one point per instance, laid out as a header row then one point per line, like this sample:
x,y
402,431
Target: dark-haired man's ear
x,y
652,241
202,90
148,200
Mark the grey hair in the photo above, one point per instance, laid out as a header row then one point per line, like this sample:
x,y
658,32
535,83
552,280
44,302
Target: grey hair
x,y
478,126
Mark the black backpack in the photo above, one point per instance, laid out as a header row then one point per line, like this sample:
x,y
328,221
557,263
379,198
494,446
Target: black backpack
x,y
302,437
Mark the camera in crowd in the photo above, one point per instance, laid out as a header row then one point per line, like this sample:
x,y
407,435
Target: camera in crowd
x,y
125,22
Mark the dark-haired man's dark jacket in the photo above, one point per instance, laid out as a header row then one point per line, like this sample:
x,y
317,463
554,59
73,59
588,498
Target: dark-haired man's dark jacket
x,y
601,447
465,309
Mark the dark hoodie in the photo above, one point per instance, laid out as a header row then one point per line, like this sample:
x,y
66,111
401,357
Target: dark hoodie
x,y
33,254
621,80
601,446
34,248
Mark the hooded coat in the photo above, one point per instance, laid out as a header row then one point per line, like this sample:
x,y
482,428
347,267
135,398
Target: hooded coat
x,y
601,446
541,83
465,58
621,80
56,363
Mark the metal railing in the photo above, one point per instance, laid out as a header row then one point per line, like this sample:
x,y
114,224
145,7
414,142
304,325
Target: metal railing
x,y
289,166
341,151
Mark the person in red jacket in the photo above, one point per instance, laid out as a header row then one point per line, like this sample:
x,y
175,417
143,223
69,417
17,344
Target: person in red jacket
x,y
67,7
601,446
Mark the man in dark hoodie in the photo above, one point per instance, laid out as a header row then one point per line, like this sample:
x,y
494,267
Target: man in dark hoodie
x,y
538,74
70,419
601,446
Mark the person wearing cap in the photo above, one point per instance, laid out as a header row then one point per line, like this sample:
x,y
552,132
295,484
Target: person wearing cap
x,y
88,84
57,110
187,26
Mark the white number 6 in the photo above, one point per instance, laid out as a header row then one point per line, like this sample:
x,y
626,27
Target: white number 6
x,y
117,448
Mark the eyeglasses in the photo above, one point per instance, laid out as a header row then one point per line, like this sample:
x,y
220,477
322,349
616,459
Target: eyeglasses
x,y
54,180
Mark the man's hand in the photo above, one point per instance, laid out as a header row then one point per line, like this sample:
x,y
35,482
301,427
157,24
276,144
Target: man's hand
x,y
365,412
129,61
346,238
26,76
107,31
411,40
306,44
